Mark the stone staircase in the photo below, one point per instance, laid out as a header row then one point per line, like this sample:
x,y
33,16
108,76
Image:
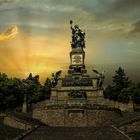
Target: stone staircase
x,y
87,133
83,133
127,117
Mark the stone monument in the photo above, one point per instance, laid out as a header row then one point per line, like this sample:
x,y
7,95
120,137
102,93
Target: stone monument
x,y
77,98
77,87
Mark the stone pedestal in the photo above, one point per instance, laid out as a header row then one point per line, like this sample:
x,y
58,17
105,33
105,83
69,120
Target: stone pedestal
x,y
24,107
77,88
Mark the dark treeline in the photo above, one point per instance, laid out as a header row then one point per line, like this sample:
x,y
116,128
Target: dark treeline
x,y
12,91
122,89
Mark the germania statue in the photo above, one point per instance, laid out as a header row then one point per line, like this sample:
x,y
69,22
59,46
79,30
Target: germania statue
x,y
78,37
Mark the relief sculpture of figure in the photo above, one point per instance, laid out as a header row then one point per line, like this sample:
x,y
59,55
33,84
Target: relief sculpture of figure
x,y
78,37
100,77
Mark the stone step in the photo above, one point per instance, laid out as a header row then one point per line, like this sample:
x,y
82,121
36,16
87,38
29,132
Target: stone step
x,y
87,133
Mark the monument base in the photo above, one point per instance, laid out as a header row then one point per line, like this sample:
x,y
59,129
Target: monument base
x,y
76,116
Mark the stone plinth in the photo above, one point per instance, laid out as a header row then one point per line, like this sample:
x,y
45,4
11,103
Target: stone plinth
x,y
66,85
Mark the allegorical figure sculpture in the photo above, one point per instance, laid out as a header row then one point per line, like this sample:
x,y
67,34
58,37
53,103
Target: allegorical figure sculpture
x,y
78,94
78,37
100,77
54,78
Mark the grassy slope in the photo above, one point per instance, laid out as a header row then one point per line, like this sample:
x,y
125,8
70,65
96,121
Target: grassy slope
x,y
8,133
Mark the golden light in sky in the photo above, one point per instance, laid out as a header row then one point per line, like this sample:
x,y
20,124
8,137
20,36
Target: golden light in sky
x,y
10,33
22,54
39,41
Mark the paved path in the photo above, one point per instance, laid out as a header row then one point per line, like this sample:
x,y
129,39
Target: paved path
x,y
62,133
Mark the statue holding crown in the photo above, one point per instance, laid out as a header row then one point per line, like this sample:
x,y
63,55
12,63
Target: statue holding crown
x,y
78,37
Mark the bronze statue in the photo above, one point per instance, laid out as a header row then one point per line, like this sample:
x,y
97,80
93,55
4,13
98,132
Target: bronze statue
x,y
54,78
100,77
78,37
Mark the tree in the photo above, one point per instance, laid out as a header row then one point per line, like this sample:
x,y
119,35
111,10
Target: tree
x,y
120,81
3,79
132,91
33,89
47,88
111,93
12,91
136,97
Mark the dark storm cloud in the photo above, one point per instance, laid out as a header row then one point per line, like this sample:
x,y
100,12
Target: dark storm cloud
x,y
111,10
96,14
136,27
115,10
97,10
93,8
125,5
105,11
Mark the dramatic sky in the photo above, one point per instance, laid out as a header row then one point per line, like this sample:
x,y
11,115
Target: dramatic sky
x,y
35,35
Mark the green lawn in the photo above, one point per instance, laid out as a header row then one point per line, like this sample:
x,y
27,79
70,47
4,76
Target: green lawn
x,y
8,133
135,134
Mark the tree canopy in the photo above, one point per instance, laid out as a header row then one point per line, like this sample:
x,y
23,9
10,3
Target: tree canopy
x,y
122,89
12,91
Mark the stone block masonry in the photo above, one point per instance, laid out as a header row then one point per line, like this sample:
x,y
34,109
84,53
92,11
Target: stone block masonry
x,y
75,117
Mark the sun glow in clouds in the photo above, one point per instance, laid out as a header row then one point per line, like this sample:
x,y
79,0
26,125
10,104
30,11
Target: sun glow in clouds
x,y
35,54
9,34
42,45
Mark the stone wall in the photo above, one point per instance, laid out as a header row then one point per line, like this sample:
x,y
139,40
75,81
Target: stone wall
x,y
16,123
126,107
101,117
75,117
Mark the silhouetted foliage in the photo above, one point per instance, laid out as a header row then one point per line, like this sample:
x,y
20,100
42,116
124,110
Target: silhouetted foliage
x,y
122,89
120,81
132,91
12,91
47,88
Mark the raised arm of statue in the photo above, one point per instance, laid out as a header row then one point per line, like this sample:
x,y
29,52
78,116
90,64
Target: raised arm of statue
x,y
71,25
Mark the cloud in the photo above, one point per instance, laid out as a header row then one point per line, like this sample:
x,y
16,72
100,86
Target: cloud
x,y
125,5
49,14
10,33
136,27
7,1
